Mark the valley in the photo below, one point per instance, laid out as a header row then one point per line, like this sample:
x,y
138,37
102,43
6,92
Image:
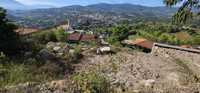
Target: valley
x,y
99,48
92,15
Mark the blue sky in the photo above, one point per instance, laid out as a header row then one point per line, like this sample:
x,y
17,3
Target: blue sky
x,y
88,2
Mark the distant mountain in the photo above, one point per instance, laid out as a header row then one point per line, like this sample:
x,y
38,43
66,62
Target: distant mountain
x,y
98,14
40,6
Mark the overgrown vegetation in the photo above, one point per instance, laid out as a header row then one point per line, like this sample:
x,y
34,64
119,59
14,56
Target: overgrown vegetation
x,y
19,59
91,82
154,31
29,70
55,35
188,75
187,10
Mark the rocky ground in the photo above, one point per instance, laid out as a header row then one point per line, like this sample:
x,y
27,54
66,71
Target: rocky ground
x,y
129,72
146,73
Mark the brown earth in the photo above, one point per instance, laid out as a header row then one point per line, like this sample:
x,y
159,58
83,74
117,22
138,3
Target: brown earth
x,y
26,31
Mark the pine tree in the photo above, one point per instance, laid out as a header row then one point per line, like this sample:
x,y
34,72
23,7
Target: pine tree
x,y
8,37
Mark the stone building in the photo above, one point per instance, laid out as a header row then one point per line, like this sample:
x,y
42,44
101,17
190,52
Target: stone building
x,y
175,52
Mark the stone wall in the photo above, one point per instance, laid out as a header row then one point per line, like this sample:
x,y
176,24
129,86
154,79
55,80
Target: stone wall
x,y
173,52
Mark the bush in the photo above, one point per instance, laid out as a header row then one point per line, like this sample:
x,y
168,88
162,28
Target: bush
x,y
30,70
76,56
61,35
14,74
3,58
91,83
44,37
55,35
50,71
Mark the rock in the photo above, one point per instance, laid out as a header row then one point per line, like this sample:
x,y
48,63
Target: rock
x,y
102,50
59,84
50,45
60,54
173,77
71,51
57,48
28,54
45,54
148,83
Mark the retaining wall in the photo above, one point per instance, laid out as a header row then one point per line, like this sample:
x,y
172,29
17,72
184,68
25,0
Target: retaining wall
x,y
175,52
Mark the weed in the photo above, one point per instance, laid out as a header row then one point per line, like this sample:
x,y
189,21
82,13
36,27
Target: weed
x,y
91,82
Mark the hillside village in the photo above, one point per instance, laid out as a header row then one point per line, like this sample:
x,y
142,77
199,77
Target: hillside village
x,y
150,70
137,64
100,48
77,36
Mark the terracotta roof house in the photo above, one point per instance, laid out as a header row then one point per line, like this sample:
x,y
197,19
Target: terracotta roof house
x,y
78,37
74,37
142,43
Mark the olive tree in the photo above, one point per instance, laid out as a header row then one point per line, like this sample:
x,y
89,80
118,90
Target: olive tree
x,y
188,9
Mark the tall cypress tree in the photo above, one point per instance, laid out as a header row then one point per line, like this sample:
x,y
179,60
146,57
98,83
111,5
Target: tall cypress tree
x,y
8,37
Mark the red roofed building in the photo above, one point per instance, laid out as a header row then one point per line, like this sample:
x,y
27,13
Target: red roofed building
x,y
76,37
142,43
88,38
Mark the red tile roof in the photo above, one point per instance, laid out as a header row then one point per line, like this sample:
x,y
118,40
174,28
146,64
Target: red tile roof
x,y
88,38
74,37
81,37
141,43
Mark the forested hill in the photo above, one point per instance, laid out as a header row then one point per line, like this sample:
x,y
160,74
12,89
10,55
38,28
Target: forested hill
x,y
99,14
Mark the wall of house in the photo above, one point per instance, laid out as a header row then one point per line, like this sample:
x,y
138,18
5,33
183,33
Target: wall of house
x,y
172,53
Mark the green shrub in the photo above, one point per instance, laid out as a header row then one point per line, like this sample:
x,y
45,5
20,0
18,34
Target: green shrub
x,y
30,70
77,55
50,36
61,35
14,74
44,37
3,58
91,83
55,35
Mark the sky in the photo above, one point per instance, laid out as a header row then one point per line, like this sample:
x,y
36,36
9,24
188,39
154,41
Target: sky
x,y
88,2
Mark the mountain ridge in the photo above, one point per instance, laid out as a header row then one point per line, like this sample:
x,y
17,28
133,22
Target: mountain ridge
x,y
98,13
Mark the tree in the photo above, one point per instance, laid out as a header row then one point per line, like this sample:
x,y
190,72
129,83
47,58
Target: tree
x,y
187,10
8,37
